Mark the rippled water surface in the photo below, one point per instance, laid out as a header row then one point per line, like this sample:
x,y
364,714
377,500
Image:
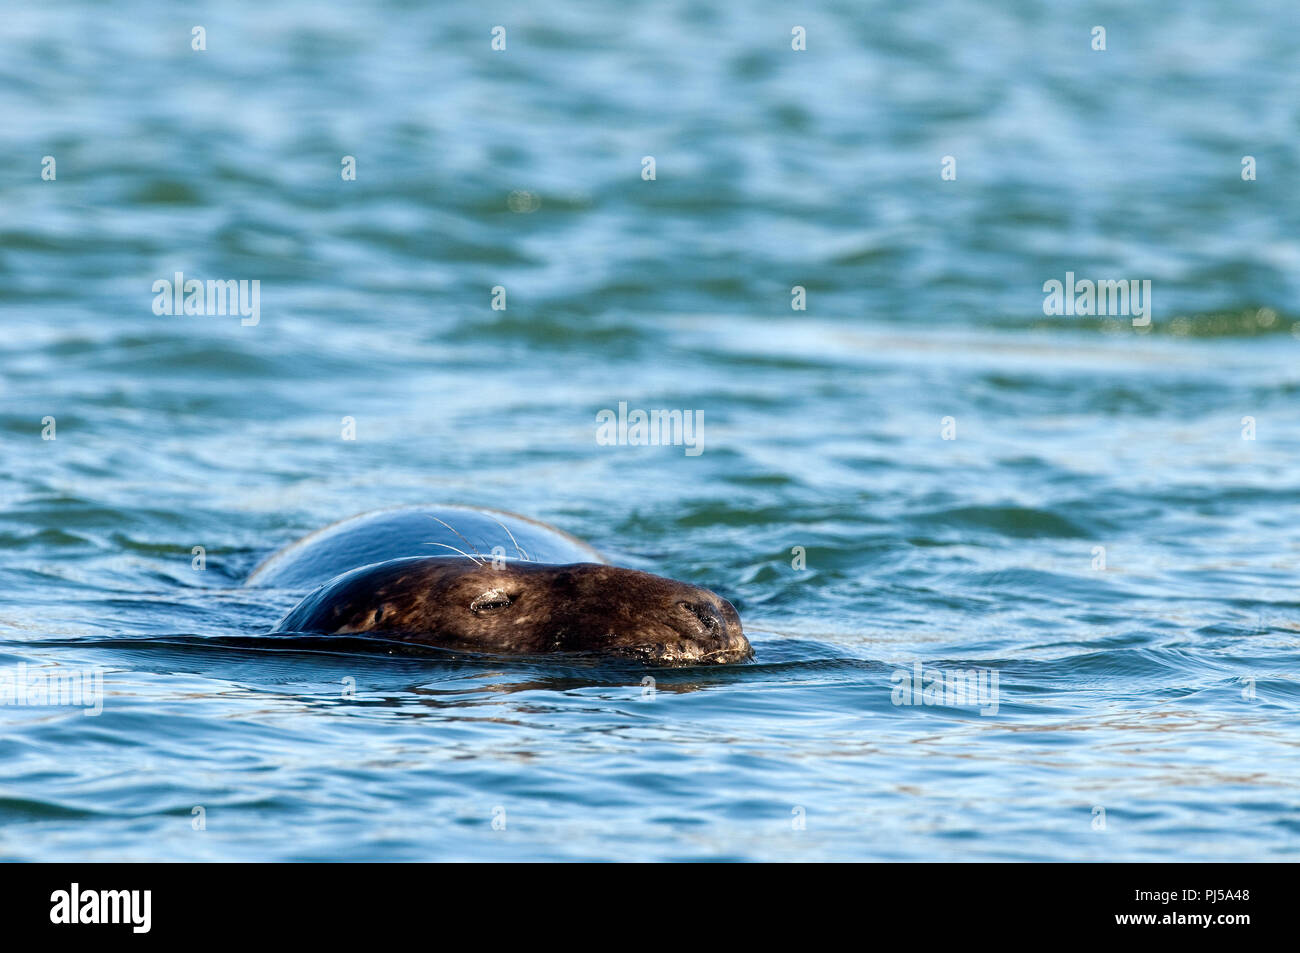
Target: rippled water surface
x,y
1100,534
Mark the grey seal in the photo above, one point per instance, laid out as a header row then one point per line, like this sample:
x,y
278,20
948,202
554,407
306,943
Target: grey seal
x,y
489,581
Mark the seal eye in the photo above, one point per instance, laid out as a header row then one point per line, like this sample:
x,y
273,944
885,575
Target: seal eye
x,y
490,601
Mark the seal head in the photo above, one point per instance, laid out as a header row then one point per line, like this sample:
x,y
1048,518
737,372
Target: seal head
x,y
528,608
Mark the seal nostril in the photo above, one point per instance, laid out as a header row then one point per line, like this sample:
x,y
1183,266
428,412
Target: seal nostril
x,y
708,619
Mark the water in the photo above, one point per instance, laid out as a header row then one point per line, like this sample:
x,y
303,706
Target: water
x,y
1161,689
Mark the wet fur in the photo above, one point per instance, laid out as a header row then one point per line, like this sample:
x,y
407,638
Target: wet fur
x,y
513,606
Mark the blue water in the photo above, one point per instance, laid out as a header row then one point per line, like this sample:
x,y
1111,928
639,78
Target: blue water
x,y
1148,704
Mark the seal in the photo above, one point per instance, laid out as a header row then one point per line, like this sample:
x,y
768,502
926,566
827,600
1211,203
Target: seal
x,y
488,581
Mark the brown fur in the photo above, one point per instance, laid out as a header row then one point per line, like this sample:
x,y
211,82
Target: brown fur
x,y
527,608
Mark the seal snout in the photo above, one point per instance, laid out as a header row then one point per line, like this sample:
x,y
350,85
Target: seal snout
x,y
659,620
711,629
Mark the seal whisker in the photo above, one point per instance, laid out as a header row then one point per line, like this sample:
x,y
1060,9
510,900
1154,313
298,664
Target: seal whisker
x,y
455,550
457,532
512,538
